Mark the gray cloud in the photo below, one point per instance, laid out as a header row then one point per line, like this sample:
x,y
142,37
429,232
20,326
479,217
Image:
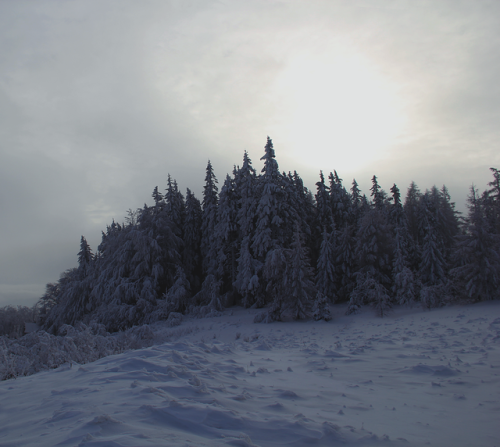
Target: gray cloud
x,y
99,101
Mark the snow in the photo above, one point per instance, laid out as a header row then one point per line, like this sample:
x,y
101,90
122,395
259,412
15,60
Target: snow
x,y
412,378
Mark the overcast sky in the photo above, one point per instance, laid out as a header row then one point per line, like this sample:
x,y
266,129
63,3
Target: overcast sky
x,y
100,100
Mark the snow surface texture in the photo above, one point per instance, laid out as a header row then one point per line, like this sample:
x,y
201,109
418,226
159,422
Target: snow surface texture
x,y
412,378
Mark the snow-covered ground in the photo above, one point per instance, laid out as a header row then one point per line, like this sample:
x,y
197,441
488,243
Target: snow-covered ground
x,y
413,378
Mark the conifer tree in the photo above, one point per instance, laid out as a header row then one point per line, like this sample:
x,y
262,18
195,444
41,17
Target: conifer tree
x,y
378,194
339,199
438,211
298,205
345,262
374,257
70,299
413,211
432,271
247,281
447,220
177,297
246,187
226,235
323,215
175,207
209,221
321,310
355,209
302,290
432,266
192,241
374,247
323,204
56,303
277,277
271,211
403,279
396,212
326,276
491,201
405,243
477,255
368,290
157,197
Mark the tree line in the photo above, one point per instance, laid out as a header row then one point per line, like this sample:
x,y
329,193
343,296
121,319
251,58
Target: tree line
x,y
266,241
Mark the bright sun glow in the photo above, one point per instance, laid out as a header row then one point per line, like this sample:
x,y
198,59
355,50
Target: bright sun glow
x,y
339,113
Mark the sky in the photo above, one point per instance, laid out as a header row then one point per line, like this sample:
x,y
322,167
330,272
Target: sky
x,y
101,100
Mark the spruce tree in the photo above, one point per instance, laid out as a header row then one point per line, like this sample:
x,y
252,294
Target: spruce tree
x,y
323,205
477,255
368,290
226,235
374,258
271,212
432,272
412,209
321,310
374,247
175,207
355,208
277,276
299,206
209,221
191,255
345,263
491,200
85,258
339,199
247,281
404,285
246,189
177,297
378,194
326,276
433,266
302,290
396,212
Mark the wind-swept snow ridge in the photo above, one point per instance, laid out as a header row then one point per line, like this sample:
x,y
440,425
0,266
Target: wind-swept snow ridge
x,y
414,378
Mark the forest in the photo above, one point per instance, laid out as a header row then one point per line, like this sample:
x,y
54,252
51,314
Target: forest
x,y
266,241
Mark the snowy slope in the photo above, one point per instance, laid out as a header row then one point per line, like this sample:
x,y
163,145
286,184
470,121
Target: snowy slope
x,y
413,378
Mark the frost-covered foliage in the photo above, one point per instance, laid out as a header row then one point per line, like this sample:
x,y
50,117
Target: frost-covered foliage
x,y
374,248
13,319
80,344
276,273
326,276
404,283
272,212
265,241
478,254
321,310
369,291
247,281
209,221
226,235
289,280
303,290
191,254
345,262
432,265
38,351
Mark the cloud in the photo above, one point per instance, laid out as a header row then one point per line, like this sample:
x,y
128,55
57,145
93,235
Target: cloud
x,y
99,101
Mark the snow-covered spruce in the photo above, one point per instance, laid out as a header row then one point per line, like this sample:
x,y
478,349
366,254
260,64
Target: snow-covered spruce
x,y
240,246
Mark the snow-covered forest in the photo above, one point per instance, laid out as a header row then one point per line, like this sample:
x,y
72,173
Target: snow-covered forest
x,y
266,241
267,244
